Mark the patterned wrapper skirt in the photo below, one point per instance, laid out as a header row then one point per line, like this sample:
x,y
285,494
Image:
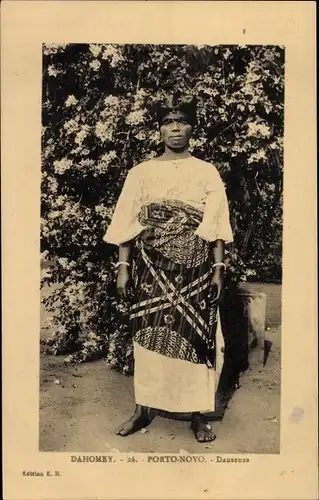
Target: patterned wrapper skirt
x,y
178,343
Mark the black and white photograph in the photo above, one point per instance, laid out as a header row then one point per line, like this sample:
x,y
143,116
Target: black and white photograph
x,y
161,248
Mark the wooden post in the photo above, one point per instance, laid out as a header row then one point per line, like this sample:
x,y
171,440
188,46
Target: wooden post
x,y
255,311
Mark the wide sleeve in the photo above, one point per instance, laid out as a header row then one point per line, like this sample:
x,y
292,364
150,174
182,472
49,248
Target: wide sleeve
x,y
215,224
124,225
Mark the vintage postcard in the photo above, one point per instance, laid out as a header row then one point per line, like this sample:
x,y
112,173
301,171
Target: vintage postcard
x,y
159,250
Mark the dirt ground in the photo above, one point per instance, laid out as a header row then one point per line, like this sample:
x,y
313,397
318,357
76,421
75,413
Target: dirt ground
x,y
81,405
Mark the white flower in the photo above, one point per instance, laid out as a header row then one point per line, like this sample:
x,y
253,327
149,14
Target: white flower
x,y
77,150
81,135
101,210
72,299
54,214
112,347
268,108
150,155
52,71
135,117
60,200
103,276
95,65
264,130
105,212
103,131
105,161
60,166
95,49
117,59
45,273
69,264
139,98
63,262
211,91
71,101
252,77
111,100
108,157
48,150
70,210
250,272
101,167
141,136
86,162
226,53
53,48
71,126
196,143
255,128
237,148
113,54
154,138
44,254
247,89
140,94
110,212
111,110
109,51
260,155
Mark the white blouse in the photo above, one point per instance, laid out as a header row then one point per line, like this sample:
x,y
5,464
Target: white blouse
x,y
189,179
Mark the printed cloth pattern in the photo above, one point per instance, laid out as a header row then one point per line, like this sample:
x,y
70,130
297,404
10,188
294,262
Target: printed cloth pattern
x,y
173,313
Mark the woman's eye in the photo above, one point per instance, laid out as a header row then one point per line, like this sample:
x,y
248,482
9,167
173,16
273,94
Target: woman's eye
x,y
180,122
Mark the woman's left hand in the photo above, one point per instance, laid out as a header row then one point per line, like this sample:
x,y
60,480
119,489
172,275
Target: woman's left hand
x,y
217,283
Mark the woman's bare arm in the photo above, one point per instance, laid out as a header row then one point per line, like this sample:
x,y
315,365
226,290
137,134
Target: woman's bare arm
x,y
219,251
219,255
123,276
125,252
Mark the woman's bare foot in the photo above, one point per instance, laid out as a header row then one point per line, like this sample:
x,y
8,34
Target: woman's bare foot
x,y
138,421
201,429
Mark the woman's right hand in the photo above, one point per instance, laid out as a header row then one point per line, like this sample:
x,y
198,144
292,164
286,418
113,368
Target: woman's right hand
x,y
123,279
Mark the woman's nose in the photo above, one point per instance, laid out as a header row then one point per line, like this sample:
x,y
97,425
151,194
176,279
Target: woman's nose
x,y
176,126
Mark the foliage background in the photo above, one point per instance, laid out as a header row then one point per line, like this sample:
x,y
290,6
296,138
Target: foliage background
x,y
97,122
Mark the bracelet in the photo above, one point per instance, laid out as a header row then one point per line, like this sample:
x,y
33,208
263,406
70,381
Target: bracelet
x,y
122,262
219,264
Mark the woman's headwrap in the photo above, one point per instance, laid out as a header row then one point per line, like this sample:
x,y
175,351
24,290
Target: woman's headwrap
x,y
180,104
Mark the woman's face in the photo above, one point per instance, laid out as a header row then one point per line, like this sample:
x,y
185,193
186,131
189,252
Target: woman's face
x,y
175,131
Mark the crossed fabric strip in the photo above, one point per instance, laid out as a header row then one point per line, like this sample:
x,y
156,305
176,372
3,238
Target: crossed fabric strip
x,y
173,296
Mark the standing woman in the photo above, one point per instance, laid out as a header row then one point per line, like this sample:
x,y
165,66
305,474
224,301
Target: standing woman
x,y
172,217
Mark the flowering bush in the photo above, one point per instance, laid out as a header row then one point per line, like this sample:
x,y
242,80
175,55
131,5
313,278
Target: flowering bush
x,y
97,122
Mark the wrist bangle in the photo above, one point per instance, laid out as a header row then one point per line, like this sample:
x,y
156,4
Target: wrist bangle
x,y
122,262
219,264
